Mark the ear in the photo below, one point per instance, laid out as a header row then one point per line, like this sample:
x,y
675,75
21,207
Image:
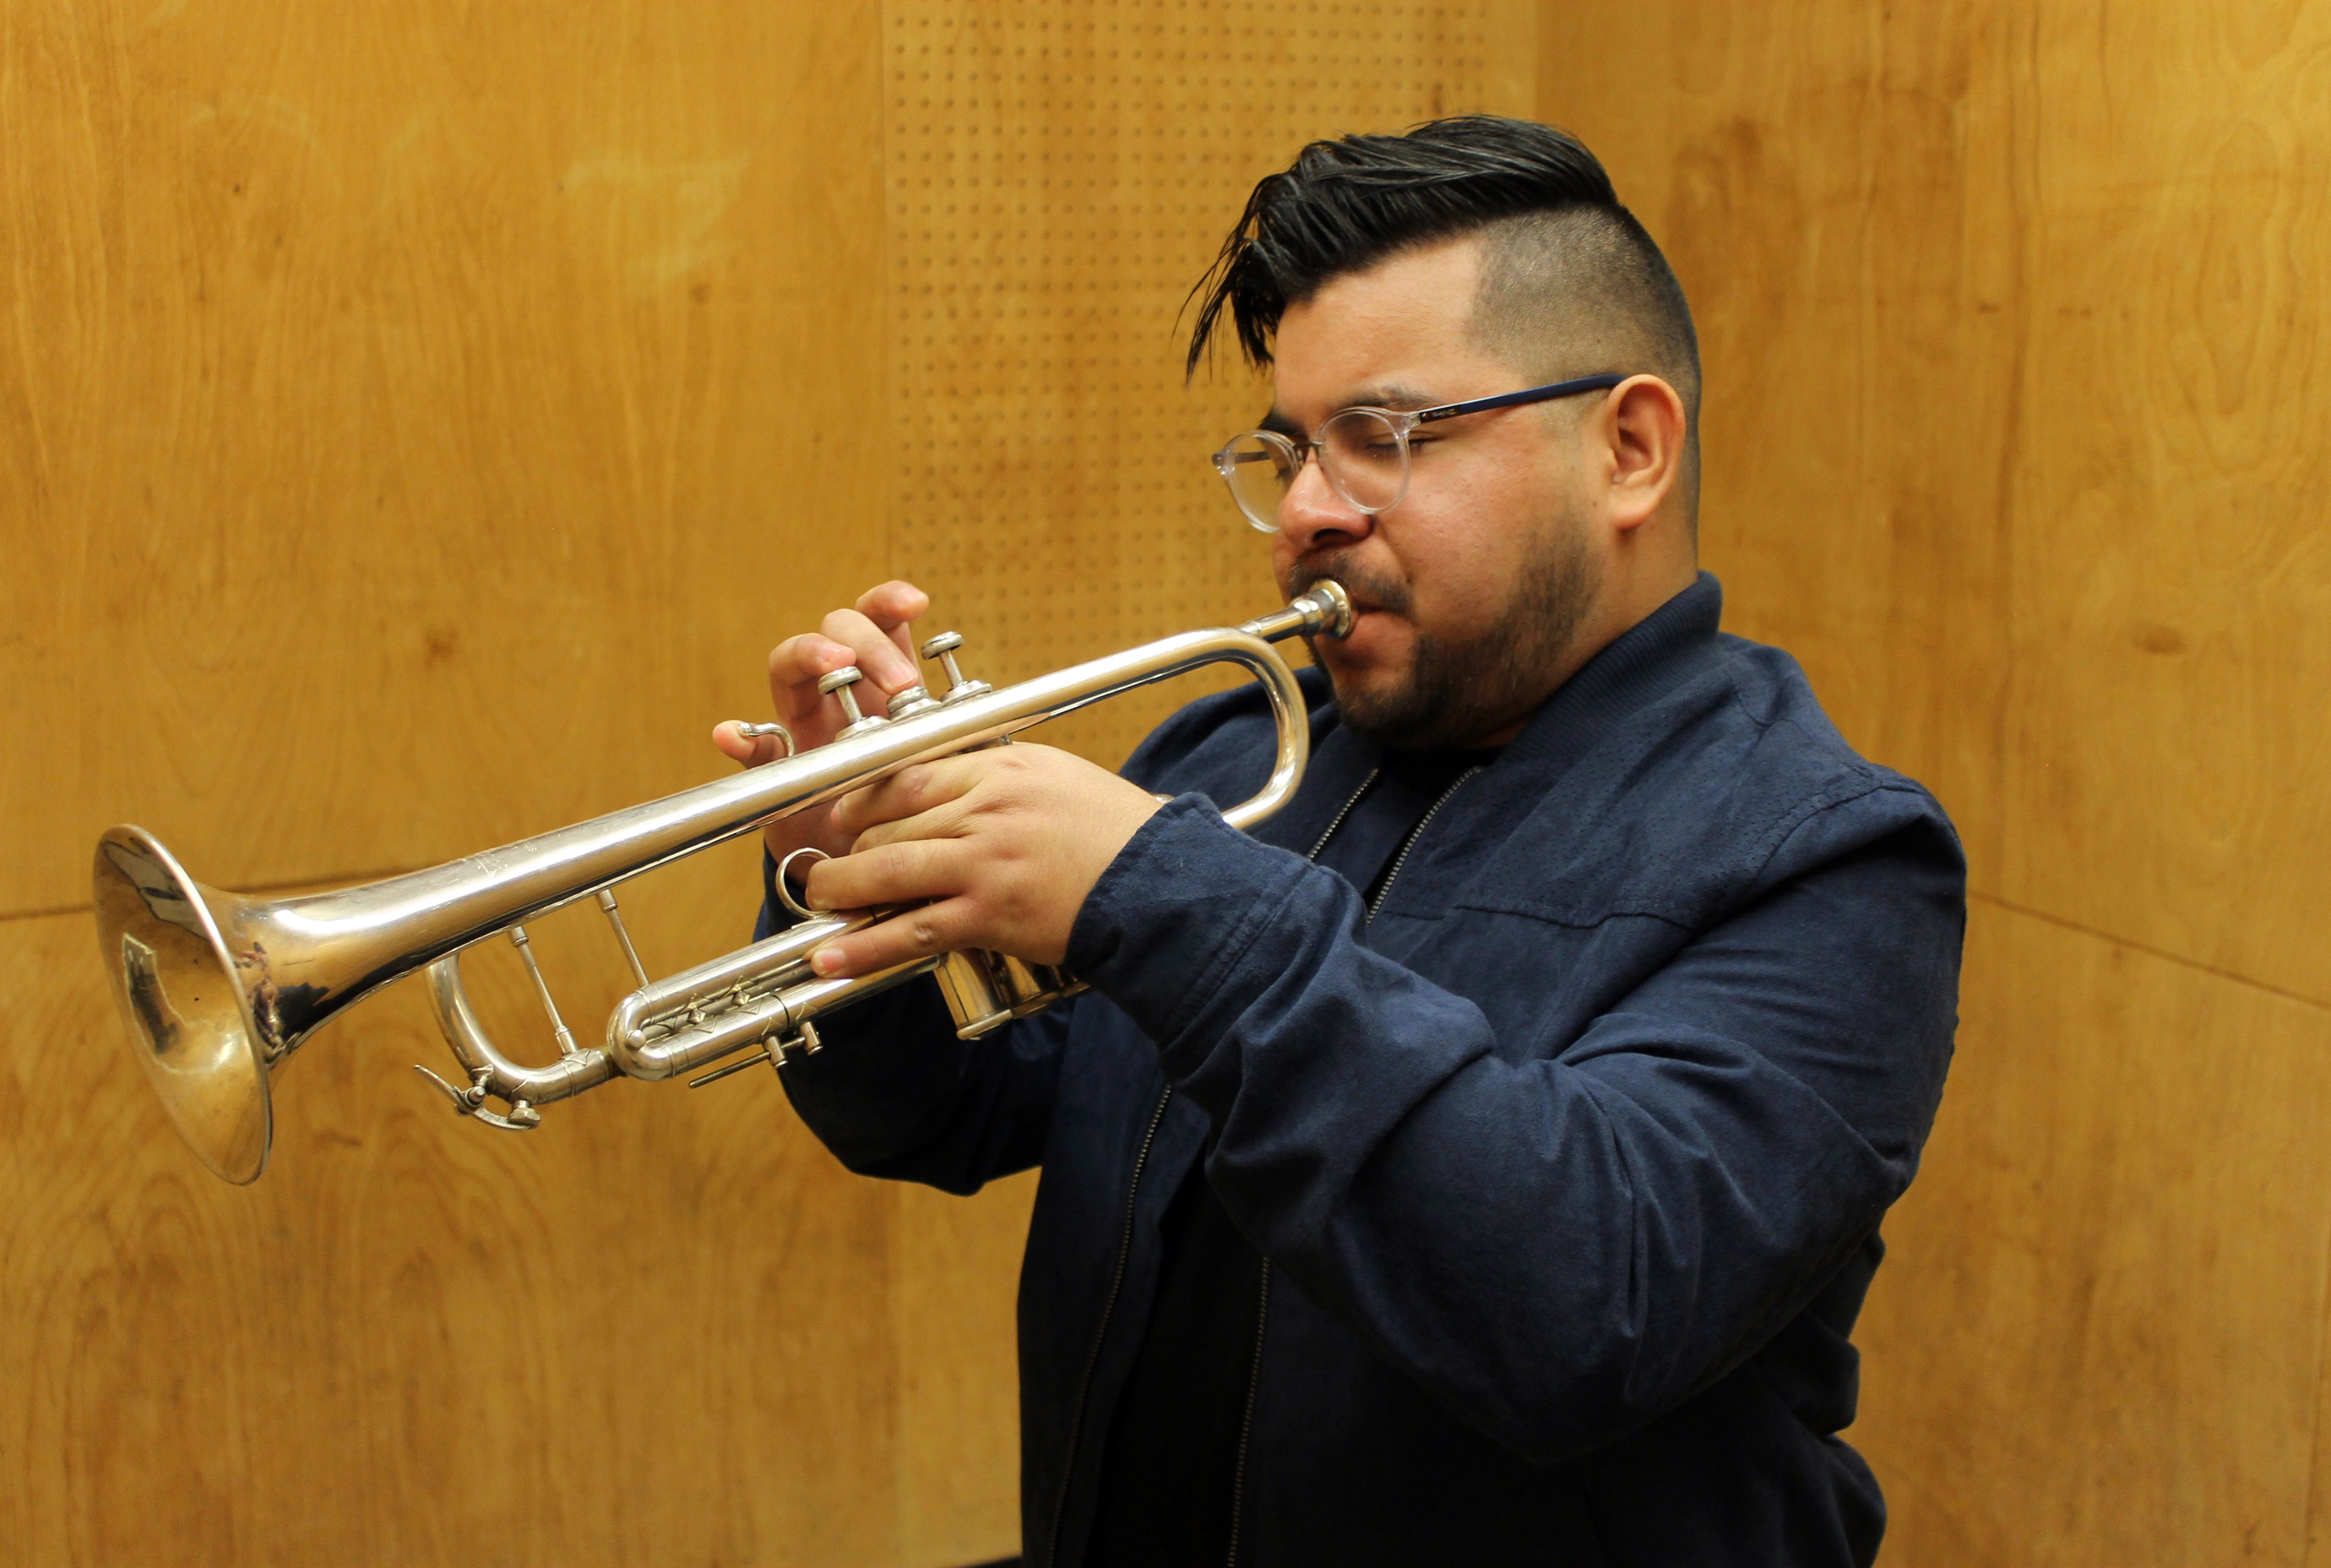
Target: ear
x,y
1641,440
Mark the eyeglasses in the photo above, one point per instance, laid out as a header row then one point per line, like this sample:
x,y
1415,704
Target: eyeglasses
x,y
1364,452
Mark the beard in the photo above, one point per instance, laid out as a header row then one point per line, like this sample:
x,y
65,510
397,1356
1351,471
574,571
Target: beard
x,y
1452,693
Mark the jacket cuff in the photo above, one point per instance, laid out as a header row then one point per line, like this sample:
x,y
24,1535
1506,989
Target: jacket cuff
x,y
1163,930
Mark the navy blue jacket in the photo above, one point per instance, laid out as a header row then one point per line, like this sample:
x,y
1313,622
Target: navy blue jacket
x,y
1568,1165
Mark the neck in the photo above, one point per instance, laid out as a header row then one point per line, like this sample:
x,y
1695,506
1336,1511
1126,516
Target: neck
x,y
1635,588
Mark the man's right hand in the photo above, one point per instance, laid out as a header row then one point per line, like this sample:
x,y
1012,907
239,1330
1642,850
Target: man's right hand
x,y
876,635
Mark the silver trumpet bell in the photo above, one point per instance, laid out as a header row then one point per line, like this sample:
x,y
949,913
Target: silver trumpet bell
x,y
218,990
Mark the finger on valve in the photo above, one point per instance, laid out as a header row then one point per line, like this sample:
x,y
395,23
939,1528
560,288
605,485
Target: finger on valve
x,y
874,648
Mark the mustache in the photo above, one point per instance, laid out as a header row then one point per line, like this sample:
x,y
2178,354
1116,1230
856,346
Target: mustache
x,y
1369,589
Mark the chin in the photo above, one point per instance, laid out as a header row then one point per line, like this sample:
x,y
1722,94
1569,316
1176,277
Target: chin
x,y
1373,701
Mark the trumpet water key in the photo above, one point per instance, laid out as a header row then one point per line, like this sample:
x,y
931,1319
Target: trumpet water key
x,y
218,990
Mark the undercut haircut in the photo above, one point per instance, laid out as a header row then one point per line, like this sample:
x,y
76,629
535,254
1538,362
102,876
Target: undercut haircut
x,y
1571,284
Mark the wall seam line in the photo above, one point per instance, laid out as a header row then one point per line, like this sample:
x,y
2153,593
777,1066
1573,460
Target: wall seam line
x,y
2318,1004
8,915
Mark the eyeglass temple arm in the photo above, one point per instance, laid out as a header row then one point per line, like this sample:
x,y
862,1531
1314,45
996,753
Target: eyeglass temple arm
x,y
1527,395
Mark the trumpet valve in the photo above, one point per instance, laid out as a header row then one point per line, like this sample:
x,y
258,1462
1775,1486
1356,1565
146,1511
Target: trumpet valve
x,y
912,701
836,685
942,648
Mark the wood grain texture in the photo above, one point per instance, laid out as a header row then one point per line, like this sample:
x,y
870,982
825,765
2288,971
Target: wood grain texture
x,y
656,1330
954,1267
2097,1335
1827,180
417,420
2012,317
392,396
2012,320
2170,732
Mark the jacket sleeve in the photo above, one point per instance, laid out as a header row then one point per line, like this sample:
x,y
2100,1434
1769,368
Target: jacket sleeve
x,y
1556,1247
894,1093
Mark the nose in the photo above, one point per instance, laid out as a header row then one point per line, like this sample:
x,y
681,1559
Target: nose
x,y
1312,516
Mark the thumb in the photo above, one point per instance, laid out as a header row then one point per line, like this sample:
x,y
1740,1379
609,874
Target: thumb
x,y
730,739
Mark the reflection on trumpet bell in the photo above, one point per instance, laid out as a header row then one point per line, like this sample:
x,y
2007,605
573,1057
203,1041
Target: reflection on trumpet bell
x,y
218,990
207,1018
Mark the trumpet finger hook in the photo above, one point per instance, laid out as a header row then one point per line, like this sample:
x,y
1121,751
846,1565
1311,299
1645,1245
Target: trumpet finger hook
x,y
784,885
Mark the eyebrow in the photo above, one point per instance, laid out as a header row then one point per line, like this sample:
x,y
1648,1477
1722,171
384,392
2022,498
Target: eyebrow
x,y
1398,398
1393,396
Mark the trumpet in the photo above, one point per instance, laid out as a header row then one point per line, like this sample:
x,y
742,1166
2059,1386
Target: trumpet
x,y
218,990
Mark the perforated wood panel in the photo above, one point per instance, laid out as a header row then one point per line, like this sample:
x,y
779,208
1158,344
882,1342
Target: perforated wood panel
x,y
416,422
1061,174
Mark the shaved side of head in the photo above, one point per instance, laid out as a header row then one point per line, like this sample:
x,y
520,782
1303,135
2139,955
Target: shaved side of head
x,y
1584,291
1571,283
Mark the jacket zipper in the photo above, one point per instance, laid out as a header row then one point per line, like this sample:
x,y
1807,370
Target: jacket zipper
x,y
1343,813
1109,1306
1117,1283
1262,1310
1246,1422
1262,1303
1423,822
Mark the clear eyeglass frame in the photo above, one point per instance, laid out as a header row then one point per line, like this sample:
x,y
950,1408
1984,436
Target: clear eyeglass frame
x,y
1361,450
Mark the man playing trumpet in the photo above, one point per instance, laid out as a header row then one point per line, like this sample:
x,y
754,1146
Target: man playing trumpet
x,y
1483,1161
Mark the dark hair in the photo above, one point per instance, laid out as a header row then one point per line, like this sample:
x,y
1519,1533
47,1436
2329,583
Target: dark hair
x,y
1349,203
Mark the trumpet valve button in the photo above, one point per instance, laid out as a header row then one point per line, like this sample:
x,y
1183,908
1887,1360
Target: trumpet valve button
x,y
912,701
836,684
942,648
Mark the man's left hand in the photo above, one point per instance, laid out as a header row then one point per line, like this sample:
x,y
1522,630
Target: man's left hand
x,y
999,848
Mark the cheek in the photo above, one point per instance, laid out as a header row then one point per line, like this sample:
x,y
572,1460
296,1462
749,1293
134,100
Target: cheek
x,y
1461,567
1467,556
1282,562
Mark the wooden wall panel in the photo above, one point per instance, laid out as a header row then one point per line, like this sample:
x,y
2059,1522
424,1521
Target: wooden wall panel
x,y
1827,183
656,1330
1062,174
955,1267
2012,317
416,422
2098,1337
2169,732
379,381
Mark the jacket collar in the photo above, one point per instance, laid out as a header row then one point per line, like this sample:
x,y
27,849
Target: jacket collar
x,y
1651,658
1658,653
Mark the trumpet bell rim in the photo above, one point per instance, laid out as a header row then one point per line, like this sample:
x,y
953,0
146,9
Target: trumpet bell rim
x,y
186,1000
